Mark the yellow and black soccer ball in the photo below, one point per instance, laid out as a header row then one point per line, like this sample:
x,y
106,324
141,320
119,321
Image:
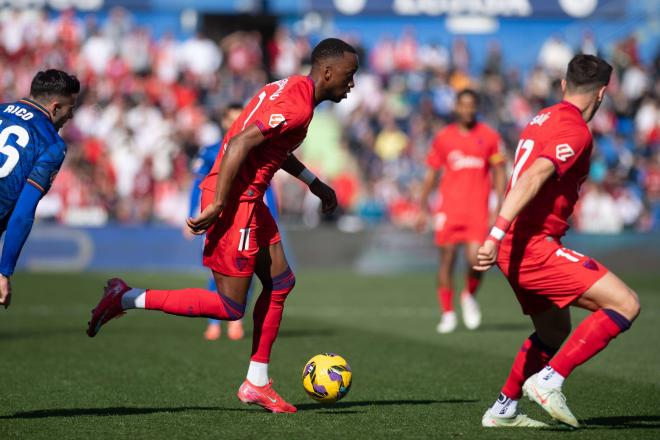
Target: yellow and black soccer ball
x,y
327,377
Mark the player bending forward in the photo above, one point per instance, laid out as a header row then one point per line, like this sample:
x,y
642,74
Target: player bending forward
x,y
467,152
31,154
241,236
552,160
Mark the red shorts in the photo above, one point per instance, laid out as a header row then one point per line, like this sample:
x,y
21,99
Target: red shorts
x,y
233,242
452,230
542,272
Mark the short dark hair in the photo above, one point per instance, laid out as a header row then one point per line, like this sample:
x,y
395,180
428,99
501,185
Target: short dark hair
x,y
235,105
53,82
468,92
587,73
329,48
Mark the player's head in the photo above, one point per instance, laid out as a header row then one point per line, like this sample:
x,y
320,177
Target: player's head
x,y
587,76
57,92
229,114
466,107
334,62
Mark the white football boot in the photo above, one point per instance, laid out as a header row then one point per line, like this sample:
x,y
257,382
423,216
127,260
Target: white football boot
x,y
552,400
471,311
448,323
516,421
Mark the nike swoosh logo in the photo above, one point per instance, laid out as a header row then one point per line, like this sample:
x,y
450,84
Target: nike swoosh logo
x,y
543,401
272,400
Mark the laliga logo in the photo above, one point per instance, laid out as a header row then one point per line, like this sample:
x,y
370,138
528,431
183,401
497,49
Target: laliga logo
x,y
458,161
276,119
563,152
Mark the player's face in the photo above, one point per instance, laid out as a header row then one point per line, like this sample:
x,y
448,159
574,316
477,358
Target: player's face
x,y
229,117
340,76
598,100
466,110
62,109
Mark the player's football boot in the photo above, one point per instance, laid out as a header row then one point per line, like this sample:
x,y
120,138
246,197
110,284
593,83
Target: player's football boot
x,y
448,323
552,400
516,421
235,330
109,307
471,311
264,396
213,331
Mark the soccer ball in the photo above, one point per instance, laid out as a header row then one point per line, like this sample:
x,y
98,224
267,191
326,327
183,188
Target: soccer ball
x,y
327,377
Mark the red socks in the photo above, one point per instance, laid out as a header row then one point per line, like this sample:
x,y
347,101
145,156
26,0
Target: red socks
x,y
268,314
533,356
446,299
194,302
591,336
472,284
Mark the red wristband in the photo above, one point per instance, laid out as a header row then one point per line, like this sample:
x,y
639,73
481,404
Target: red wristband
x,y
498,231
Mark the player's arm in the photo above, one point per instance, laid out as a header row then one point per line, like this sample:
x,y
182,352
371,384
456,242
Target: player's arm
x,y
18,228
237,150
428,183
499,183
327,195
525,189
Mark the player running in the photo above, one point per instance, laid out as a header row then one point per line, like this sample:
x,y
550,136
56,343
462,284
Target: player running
x,y
242,238
466,152
552,160
31,154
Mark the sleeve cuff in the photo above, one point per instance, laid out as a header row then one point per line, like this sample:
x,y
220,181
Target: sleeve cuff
x,y
554,162
36,185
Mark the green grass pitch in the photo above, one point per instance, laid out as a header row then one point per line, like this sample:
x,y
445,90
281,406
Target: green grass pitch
x,y
151,375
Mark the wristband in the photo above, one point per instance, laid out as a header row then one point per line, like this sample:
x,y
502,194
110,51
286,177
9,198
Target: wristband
x,y
498,231
306,176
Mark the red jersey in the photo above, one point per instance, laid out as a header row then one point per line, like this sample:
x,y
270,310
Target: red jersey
x,y
559,134
466,158
282,110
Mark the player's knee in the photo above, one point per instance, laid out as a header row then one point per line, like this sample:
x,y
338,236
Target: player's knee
x,y
630,306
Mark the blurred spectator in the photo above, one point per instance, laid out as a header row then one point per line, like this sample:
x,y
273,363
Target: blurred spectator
x,y
148,104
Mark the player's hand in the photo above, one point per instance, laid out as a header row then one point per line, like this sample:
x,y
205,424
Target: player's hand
x,y
205,219
486,255
5,291
326,194
422,221
187,232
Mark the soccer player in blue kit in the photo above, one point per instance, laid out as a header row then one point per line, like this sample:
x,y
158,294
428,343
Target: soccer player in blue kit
x,y
31,154
202,165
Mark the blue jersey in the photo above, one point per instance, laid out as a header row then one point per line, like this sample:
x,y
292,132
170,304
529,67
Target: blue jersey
x,y
31,151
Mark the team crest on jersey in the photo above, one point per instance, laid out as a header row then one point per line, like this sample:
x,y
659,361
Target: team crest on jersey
x,y
540,119
276,119
241,263
563,152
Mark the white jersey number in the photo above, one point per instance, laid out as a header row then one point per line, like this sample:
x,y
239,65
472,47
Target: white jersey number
x,y
523,151
22,139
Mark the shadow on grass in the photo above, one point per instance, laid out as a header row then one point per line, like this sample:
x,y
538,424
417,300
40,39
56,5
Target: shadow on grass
x,y
111,411
623,422
349,404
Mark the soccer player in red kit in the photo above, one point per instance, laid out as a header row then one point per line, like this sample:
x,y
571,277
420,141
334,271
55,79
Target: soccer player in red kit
x,y
467,153
242,238
552,160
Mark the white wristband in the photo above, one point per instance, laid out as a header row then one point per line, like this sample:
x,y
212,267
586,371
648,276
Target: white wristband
x,y
306,176
497,233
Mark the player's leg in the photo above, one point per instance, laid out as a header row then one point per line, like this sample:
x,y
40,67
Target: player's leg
x,y
552,326
615,306
213,329
445,292
469,305
277,280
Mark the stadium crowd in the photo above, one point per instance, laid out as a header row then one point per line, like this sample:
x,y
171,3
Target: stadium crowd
x,y
150,103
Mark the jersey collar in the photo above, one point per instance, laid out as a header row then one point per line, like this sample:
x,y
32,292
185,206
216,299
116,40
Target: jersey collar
x,y
570,104
38,106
